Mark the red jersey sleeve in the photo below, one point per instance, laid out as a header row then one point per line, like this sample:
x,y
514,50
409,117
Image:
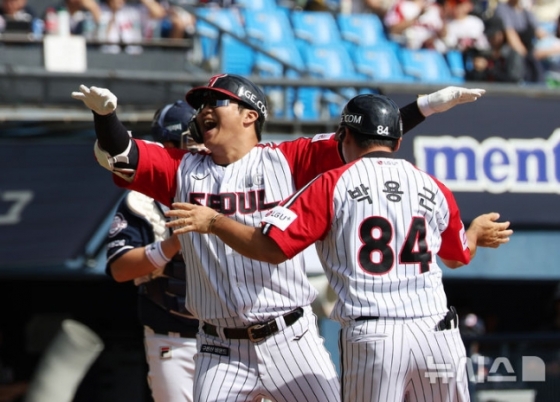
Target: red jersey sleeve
x,y
304,218
156,172
309,157
454,244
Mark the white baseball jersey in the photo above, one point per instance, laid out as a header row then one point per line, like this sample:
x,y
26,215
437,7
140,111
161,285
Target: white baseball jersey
x,y
229,290
379,223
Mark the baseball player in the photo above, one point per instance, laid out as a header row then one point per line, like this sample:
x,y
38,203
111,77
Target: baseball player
x,y
379,223
259,337
142,249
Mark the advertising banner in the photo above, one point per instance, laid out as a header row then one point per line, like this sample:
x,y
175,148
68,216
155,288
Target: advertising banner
x,y
500,153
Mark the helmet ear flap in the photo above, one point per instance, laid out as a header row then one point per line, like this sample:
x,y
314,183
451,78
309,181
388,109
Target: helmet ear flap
x,y
194,131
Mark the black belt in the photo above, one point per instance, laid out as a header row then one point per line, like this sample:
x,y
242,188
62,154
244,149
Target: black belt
x,y
366,317
191,333
255,332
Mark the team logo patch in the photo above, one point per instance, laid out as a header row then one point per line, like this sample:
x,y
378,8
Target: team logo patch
x,y
254,180
165,352
322,137
118,224
215,350
281,217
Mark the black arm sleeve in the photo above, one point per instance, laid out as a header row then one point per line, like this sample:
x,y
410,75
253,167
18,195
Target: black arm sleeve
x,y
411,116
113,138
111,133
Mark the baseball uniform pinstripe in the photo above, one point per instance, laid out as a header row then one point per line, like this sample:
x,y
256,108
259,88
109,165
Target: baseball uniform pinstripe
x,y
379,223
231,291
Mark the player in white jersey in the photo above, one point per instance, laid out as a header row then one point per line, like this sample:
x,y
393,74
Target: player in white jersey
x,y
259,337
379,224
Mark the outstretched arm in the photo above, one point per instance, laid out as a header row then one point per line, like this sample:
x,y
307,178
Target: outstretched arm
x,y
436,102
484,231
246,240
114,148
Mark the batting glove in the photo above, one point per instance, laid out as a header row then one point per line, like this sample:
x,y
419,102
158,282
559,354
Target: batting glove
x,y
445,99
100,100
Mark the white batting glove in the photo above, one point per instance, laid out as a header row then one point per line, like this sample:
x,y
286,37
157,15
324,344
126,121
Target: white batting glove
x,y
100,100
445,99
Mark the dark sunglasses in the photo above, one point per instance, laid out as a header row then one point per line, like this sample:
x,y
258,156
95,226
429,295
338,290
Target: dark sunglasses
x,y
212,100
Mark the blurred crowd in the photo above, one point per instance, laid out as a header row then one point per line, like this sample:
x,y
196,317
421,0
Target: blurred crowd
x,y
513,41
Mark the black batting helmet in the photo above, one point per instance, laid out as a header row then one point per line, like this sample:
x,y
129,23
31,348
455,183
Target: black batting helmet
x,y
373,115
235,87
171,122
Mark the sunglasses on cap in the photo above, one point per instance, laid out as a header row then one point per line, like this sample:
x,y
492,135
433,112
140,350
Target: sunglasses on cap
x,y
214,100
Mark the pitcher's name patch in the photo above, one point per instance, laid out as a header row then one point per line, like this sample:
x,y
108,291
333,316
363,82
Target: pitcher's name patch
x,y
216,350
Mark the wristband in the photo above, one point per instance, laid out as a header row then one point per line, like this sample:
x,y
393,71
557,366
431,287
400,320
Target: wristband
x,y
424,105
155,255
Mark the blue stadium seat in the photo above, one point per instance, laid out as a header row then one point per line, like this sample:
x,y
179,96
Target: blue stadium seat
x,y
262,5
302,102
427,66
332,61
456,64
361,29
227,19
315,27
236,57
268,26
380,63
287,52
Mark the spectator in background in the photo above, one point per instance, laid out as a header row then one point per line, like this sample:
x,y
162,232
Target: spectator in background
x,y
16,16
546,12
84,16
219,3
521,31
416,24
499,63
128,23
178,23
463,30
316,5
378,7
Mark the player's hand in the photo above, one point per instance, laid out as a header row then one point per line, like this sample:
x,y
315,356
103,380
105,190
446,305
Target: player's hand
x,y
490,232
190,218
445,99
100,100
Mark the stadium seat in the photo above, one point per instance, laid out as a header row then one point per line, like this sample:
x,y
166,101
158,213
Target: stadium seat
x,y
427,66
456,64
380,63
268,26
315,27
227,19
261,5
302,102
236,57
361,30
332,61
